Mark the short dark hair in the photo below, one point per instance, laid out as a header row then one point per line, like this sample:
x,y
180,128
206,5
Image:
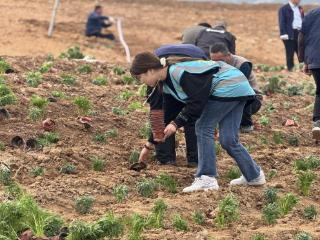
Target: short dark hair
x,y
219,47
97,7
204,24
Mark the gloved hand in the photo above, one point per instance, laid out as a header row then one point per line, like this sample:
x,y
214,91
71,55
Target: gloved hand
x,y
284,37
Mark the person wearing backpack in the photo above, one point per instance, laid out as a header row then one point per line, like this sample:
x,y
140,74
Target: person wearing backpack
x,y
165,151
213,93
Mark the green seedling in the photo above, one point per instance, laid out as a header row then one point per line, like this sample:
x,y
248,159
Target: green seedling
x,y
48,138
271,213
119,71
121,192
110,226
97,164
72,53
57,94
37,171
2,80
270,108
228,211
179,223
274,85
14,191
34,79
134,156
85,69
305,180
39,102
112,133
272,173
145,130
199,217
5,175
156,218
258,236
100,81
294,90
4,66
168,182
303,236
310,212
293,140
287,203
307,163
233,173
118,111
2,146
264,140
52,226
271,195
12,217
68,168
146,187
137,224
142,91
125,95
134,106
35,113
277,138
45,67
100,138
7,97
310,89
83,104
79,230
83,205
264,120
128,80
50,57
68,79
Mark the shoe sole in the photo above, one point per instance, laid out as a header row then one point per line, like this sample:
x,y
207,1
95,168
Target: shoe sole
x,y
203,189
316,133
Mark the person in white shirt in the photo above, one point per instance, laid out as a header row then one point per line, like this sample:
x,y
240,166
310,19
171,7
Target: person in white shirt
x,y
290,21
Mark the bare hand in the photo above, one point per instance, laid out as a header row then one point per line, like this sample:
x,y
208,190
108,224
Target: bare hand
x,y
143,155
169,130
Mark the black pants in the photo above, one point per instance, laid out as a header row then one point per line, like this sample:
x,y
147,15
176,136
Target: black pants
x,y
250,108
316,110
166,152
291,47
109,36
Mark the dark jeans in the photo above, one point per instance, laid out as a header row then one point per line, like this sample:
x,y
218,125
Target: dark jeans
x,y
250,108
109,36
316,110
166,152
291,47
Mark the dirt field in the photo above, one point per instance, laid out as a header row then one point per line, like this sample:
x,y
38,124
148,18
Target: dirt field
x,y
148,24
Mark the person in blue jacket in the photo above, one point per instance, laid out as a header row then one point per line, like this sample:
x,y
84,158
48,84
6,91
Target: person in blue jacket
x,y
96,22
214,93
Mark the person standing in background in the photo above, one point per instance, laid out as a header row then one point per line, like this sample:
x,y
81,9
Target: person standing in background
x,y
190,34
309,53
290,21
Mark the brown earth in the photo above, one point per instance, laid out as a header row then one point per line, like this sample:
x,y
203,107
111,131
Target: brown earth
x,y
147,25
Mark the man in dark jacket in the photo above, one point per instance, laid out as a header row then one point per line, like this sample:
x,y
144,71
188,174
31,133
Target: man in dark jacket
x,y
290,20
96,22
309,53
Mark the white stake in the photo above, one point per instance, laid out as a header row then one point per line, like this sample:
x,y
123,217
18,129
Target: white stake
x,y
53,17
121,38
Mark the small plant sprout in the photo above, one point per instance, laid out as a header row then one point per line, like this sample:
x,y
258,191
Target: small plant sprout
x,y
294,90
85,69
57,94
73,53
125,95
79,230
272,173
48,138
274,85
100,138
128,80
137,224
179,223
145,130
271,195
4,66
228,211
2,146
156,218
110,226
39,102
118,111
310,212
68,168
68,79
142,91
98,164
293,140
305,180
14,191
34,79
83,104
134,156
168,182
112,133
121,192
303,236
258,236
7,97
37,171
52,226
35,113
199,217
45,67
271,213
233,173
146,187
264,120
5,175
134,106
100,81
83,205
307,163
277,138
287,203
119,71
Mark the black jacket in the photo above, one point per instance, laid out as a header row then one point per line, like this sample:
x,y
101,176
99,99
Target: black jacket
x,y
286,20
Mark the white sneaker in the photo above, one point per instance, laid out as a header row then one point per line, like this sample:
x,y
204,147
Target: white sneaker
x,y
316,130
255,182
204,183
